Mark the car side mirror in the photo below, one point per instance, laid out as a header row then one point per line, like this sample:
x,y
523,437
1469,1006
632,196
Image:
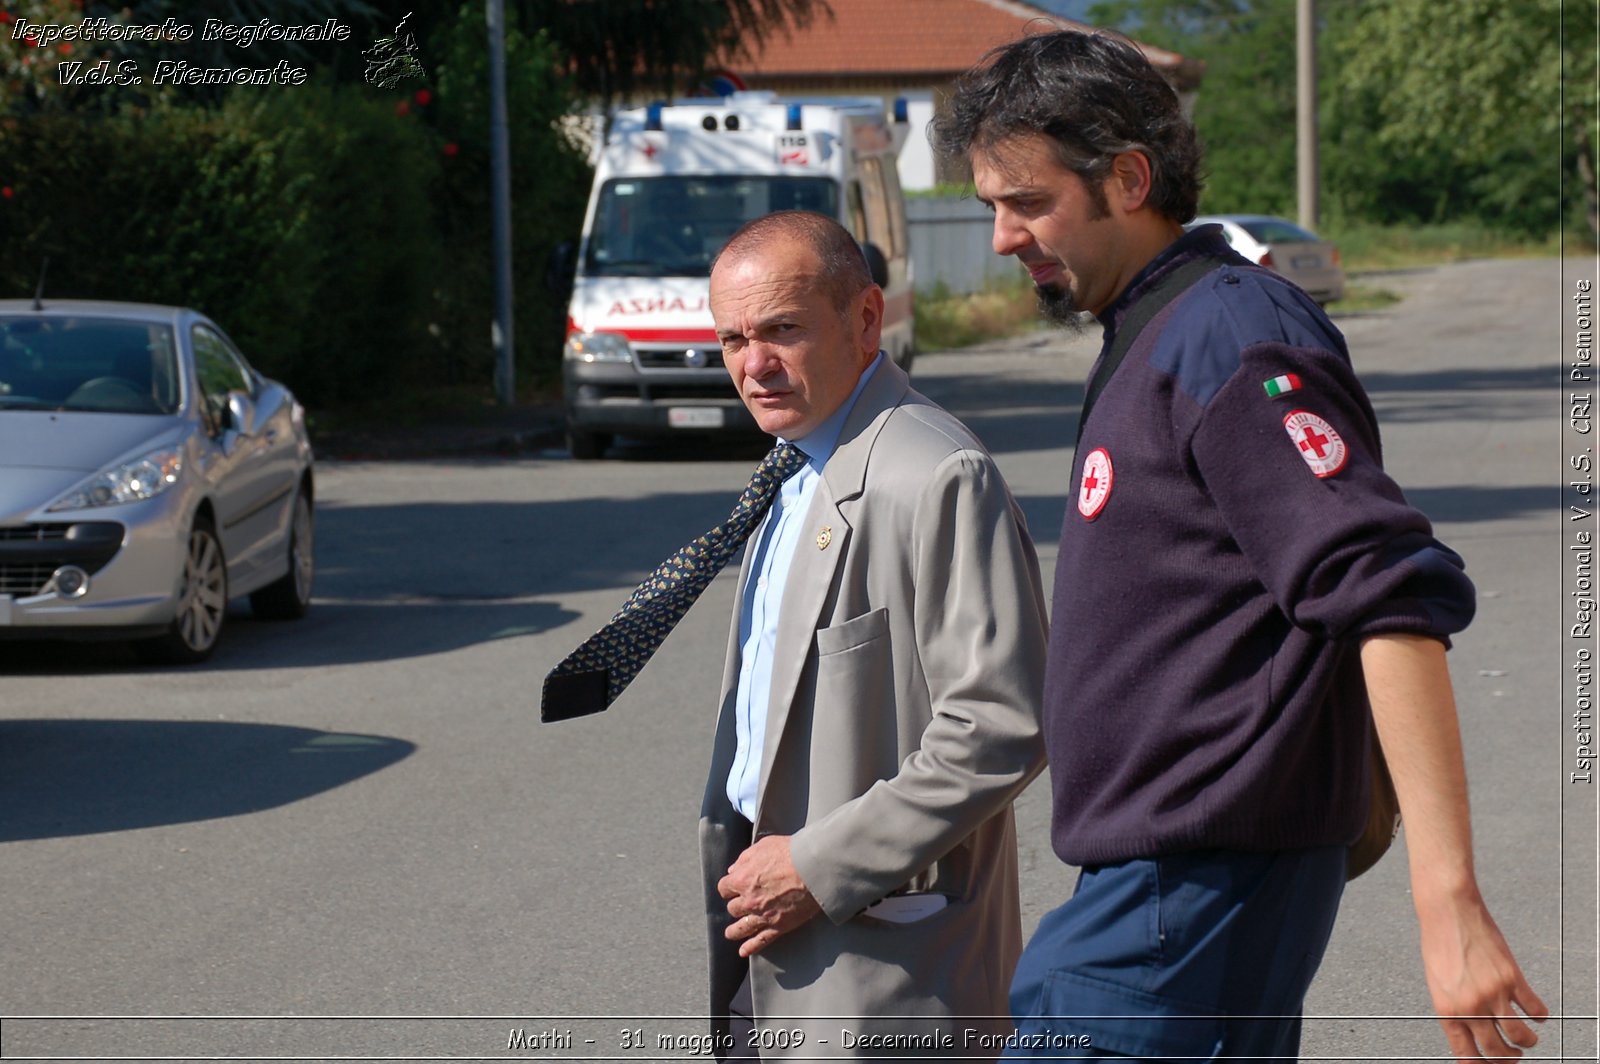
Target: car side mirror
x,y
877,264
241,413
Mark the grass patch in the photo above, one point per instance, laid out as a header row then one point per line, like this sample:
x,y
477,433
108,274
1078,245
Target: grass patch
x,y
1000,309
1360,297
1373,247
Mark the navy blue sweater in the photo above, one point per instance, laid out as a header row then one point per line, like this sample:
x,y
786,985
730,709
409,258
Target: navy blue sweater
x,y
1219,564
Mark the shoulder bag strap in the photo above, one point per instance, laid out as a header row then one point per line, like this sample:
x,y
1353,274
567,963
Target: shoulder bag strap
x,y
1149,305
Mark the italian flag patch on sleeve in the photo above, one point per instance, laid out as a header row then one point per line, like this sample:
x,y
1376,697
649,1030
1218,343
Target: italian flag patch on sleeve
x,y
1281,385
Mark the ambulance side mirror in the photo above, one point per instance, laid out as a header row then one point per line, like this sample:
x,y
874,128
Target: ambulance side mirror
x,y
560,267
877,265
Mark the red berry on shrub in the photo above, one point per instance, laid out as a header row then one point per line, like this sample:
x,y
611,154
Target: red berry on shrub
x,y
402,108
424,97
452,149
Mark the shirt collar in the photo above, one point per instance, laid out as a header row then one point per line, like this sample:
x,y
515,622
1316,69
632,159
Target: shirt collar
x,y
1201,240
820,443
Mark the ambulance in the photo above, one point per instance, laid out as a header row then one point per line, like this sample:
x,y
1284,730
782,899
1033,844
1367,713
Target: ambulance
x,y
672,182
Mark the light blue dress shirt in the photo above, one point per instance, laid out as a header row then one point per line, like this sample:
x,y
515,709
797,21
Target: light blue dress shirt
x,y
762,596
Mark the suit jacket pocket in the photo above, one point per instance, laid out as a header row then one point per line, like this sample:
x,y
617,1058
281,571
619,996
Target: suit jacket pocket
x,y
853,633
855,722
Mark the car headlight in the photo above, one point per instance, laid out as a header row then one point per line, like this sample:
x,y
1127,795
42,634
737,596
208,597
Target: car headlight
x,y
143,478
598,347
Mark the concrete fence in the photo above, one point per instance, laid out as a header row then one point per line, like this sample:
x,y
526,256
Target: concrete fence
x,y
950,242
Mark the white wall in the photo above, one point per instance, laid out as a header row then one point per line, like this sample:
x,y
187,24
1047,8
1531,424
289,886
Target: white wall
x,y
916,154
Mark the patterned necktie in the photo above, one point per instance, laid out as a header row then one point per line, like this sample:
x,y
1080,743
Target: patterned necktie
x,y
592,676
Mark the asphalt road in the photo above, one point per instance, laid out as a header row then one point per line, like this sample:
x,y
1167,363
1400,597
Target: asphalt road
x,y
359,815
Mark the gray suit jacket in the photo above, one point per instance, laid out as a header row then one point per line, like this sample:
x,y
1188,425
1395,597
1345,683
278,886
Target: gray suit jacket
x,y
904,718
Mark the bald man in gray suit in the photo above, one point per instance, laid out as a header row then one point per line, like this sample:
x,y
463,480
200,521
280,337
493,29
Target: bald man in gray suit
x,y
880,700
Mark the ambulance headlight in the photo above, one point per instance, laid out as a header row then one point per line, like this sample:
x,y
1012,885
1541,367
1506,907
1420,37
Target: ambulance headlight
x,y
598,347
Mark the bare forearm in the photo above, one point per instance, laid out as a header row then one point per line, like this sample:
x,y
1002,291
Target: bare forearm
x,y
1415,713
1472,975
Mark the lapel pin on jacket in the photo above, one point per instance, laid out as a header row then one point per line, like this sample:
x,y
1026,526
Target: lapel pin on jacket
x,y
825,537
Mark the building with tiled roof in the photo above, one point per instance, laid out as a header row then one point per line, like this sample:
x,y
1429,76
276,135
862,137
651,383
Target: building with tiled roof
x,y
910,48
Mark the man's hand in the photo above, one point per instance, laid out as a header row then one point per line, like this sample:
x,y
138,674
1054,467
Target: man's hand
x,y
766,896
1472,973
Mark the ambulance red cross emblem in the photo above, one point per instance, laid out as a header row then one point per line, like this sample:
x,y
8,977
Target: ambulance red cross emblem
x,y
1317,442
1095,486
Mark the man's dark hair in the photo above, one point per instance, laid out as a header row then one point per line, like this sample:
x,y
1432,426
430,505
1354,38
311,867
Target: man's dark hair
x,y
1095,95
844,270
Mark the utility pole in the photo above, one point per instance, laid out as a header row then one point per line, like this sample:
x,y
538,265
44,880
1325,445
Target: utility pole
x,y
1306,184
505,373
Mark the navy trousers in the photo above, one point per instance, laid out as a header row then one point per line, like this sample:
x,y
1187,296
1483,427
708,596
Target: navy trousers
x,y
1183,958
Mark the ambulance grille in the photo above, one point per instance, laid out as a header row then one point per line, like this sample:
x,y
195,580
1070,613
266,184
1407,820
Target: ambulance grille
x,y
680,358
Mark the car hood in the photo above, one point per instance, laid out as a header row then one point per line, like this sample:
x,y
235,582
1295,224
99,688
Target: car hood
x,y
44,454
79,443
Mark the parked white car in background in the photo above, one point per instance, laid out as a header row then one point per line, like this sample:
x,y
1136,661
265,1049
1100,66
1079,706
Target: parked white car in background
x,y
147,475
1278,244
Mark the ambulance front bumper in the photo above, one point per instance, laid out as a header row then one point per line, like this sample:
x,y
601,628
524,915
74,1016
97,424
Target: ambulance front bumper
x,y
620,399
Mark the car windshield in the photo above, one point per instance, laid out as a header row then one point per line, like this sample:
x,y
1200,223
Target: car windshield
x,y
105,365
673,226
1276,231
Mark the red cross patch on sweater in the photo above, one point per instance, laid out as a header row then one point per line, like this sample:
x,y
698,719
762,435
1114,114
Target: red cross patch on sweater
x,y
1316,441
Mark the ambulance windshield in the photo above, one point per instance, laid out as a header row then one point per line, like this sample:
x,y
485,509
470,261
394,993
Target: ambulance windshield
x,y
672,226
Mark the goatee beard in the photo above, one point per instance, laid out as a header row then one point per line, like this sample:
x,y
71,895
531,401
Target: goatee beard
x,y
1057,307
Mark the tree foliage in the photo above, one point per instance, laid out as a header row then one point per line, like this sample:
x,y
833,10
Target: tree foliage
x,y
340,228
1245,108
1466,95
620,49
1428,112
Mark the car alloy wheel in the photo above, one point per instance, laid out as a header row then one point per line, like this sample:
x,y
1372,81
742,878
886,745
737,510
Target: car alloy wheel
x,y
205,592
202,603
289,597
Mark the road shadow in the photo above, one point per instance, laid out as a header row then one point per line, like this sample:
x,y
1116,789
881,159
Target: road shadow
x,y
1044,514
1525,393
1008,418
1466,502
463,557
61,778
335,632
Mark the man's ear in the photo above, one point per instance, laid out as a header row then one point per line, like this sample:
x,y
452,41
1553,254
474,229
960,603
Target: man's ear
x,y
1130,180
866,317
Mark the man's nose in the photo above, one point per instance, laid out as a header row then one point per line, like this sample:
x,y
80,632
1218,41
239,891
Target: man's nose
x,y
760,360
1009,237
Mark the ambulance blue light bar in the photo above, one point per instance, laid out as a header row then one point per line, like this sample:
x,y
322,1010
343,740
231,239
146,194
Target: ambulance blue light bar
x,y
902,110
652,116
794,116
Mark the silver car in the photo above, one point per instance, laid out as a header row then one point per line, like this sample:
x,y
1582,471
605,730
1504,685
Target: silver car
x,y
147,475
1278,244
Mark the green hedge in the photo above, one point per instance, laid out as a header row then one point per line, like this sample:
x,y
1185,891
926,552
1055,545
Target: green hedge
x,y
341,234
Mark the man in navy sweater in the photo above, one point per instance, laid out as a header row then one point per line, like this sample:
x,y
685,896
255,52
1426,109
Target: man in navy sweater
x,y
1238,581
